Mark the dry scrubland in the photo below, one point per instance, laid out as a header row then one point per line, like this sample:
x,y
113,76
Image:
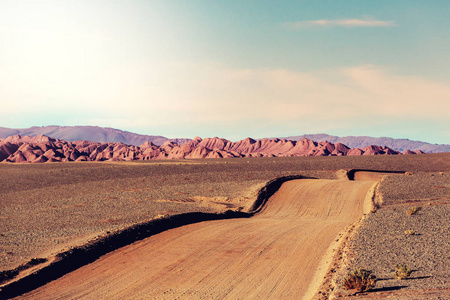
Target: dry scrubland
x,y
421,241
46,208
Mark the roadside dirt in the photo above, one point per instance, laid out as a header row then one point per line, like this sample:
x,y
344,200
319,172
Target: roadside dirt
x,y
46,209
273,255
382,241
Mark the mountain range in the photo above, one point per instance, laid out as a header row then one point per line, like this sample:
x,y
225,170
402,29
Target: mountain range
x,y
41,148
111,135
88,133
363,141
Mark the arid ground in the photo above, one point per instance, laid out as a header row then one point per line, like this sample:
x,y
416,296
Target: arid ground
x,y
50,208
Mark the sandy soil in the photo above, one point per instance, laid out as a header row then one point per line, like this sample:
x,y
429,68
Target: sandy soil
x,y
273,255
49,207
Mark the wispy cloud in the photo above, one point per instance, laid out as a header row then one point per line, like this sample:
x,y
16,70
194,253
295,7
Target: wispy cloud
x,y
366,22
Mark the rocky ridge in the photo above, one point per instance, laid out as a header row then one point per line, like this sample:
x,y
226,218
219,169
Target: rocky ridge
x,y
41,148
89,133
363,141
112,135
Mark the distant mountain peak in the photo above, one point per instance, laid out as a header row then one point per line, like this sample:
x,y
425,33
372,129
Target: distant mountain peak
x,y
38,149
88,133
113,135
400,145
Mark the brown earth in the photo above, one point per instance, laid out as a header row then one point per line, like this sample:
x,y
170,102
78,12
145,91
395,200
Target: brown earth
x,y
381,241
82,186
273,255
48,208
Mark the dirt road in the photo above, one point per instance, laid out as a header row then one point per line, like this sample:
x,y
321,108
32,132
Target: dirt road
x,y
273,255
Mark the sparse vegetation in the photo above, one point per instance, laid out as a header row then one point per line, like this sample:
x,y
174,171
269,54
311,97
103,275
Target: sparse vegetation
x,y
410,232
413,210
402,271
360,280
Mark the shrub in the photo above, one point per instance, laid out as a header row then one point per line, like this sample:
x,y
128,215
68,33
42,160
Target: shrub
x,y
410,232
413,210
402,271
359,279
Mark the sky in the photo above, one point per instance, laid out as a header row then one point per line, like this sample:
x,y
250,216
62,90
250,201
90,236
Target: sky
x,y
232,69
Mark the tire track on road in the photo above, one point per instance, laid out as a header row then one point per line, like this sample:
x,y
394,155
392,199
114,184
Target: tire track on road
x,y
273,255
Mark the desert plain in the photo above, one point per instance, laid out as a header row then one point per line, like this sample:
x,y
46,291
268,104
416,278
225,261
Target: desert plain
x,y
299,242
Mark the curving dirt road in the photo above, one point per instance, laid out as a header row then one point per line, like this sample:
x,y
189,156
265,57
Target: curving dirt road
x,y
273,255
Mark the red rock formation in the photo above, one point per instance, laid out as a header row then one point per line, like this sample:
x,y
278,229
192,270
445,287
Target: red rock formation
x,y
340,149
6,149
355,151
40,149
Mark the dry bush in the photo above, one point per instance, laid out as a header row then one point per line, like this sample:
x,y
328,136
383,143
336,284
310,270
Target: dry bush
x,y
402,271
360,280
410,232
413,210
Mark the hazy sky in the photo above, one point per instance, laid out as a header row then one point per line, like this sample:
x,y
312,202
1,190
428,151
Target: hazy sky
x,y
229,68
